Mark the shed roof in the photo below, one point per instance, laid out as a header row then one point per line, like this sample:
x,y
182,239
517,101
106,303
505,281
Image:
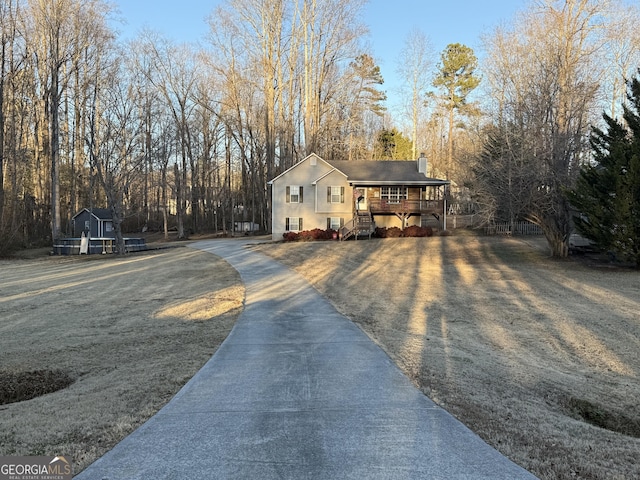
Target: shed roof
x,y
99,213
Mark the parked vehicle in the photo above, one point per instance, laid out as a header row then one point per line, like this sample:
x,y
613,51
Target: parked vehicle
x,y
578,243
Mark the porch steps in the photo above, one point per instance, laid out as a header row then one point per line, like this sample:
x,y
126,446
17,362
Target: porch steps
x,y
361,224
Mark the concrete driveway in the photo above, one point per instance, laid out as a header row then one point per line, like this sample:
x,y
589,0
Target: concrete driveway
x,y
297,391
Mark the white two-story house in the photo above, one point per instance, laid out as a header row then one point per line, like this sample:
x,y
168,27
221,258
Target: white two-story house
x,y
352,197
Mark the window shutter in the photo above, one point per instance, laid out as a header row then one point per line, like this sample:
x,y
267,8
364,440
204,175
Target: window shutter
x,y
288,199
286,223
328,194
300,219
341,194
300,195
341,222
328,223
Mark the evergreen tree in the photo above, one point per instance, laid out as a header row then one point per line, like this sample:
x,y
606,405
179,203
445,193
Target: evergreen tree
x,y
607,194
457,79
367,79
392,145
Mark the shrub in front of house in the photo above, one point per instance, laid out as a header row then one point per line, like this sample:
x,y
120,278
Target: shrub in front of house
x,y
291,236
418,231
384,232
309,235
328,234
395,232
380,232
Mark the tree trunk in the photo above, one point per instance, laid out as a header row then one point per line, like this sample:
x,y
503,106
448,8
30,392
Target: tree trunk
x,y
165,216
2,77
450,135
179,200
116,215
557,234
55,154
559,247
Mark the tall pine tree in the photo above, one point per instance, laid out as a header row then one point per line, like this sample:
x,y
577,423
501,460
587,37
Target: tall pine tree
x,y
457,79
607,193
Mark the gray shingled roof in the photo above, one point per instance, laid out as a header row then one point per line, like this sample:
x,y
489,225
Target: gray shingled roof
x,y
100,213
391,172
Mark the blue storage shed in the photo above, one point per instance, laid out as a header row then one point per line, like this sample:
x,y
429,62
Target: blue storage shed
x,y
94,223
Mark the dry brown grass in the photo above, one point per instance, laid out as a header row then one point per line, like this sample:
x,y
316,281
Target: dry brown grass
x,y
531,353
129,331
528,351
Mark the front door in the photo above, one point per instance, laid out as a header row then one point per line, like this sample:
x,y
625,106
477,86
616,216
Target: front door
x,y
361,199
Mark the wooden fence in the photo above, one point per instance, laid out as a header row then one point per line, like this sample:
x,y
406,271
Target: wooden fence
x,y
518,228
462,221
475,222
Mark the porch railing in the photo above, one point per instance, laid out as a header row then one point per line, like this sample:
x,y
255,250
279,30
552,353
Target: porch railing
x,y
361,224
348,229
377,205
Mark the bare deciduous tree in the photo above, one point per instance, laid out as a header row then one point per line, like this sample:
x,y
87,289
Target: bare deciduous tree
x,y
622,50
330,36
7,36
62,29
175,76
414,66
113,141
545,77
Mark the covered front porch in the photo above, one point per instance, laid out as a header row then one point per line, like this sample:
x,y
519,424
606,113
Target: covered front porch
x,y
379,205
403,202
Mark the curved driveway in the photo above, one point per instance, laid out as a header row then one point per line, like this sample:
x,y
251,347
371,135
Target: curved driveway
x,y
297,391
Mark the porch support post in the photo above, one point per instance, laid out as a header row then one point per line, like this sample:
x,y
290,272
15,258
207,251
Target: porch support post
x,y
444,221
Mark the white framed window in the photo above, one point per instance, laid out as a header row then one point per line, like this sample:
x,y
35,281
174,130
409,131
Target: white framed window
x,y
335,194
334,223
393,194
293,224
294,194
